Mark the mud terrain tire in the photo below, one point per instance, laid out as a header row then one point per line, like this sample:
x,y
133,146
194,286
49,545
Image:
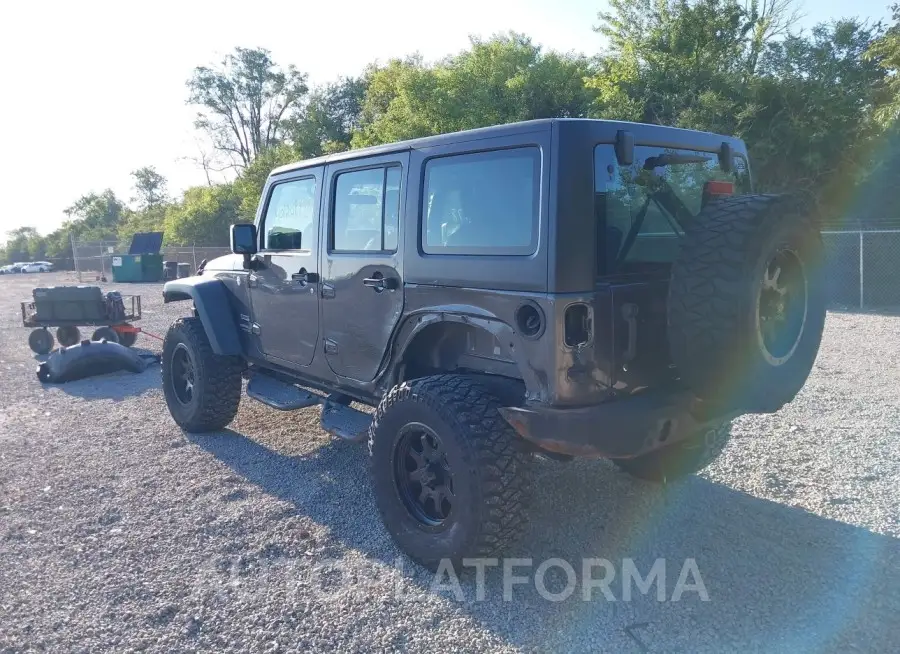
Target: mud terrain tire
x,y
488,468
746,303
202,389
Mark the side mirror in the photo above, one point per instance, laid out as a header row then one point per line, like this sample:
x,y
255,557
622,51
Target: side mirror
x,y
243,241
624,148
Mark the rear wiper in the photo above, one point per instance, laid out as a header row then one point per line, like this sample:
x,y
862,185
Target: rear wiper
x,y
669,159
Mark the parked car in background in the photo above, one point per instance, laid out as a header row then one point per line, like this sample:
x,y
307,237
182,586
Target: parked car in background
x,y
36,266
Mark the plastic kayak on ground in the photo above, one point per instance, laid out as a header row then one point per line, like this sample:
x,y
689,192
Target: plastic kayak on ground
x,y
90,358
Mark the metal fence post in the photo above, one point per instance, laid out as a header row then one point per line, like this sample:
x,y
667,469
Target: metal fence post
x,y
75,256
862,288
194,252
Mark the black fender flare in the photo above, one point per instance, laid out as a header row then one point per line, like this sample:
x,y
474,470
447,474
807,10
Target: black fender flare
x,y
213,307
507,338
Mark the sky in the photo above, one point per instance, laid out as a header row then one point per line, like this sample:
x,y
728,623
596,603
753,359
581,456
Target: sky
x,y
92,90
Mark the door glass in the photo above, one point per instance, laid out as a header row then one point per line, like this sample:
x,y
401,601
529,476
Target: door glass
x,y
289,222
357,210
391,207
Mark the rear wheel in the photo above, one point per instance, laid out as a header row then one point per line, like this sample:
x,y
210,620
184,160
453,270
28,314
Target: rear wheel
x,y
679,459
202,389
449,474
127,339
68,335
40,341
105,333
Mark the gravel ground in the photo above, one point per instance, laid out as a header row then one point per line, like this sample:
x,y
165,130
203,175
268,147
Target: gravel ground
x,y
120,533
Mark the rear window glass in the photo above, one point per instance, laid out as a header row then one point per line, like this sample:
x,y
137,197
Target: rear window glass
x,y
641,208
482,202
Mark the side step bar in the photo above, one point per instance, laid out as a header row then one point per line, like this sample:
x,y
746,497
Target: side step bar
x,y
280,395
338,417
343,421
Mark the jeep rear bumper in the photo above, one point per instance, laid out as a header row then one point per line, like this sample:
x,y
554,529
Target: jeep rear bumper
x,y
619,429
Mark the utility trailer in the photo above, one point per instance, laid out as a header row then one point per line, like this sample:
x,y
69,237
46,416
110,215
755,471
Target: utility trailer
x,y
69,307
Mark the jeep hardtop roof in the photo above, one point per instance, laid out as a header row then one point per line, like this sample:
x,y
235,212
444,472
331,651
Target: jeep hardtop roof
x,y
603,131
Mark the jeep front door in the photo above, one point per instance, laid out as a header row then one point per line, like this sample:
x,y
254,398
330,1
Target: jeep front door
x,y
283,281
362,286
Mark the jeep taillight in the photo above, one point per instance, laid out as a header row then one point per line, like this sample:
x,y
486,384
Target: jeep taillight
x,y
718,188
577,325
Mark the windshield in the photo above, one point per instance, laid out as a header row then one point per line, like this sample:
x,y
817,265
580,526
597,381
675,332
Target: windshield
x,y
643,208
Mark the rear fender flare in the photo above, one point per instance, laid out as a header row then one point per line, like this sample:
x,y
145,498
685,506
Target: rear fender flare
x,y
506,337
213,307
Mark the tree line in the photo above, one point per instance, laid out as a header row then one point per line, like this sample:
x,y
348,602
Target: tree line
x,y
817,110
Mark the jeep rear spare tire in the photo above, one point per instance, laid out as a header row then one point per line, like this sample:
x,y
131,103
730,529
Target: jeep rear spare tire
x,y
746,303
202,389
449,473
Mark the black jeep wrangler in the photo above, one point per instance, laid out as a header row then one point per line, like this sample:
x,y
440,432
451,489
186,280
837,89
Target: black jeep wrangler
x,y
565,288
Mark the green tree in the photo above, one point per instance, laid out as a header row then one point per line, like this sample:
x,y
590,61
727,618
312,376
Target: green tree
x,y
245,102
813,122
885,51
249,184
673,62
23,244
332,114
96,216
204,216
503,79
149,188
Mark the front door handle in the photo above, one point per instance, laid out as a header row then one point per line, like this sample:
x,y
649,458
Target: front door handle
x,y
305,277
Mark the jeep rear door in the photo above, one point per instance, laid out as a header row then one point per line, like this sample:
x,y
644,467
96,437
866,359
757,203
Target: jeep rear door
x,y
282,283
362,285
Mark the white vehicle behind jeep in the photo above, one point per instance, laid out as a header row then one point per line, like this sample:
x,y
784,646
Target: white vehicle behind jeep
x,y
37,266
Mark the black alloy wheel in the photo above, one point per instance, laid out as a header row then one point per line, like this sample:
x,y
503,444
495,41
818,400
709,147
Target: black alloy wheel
x,y
183,375
422,475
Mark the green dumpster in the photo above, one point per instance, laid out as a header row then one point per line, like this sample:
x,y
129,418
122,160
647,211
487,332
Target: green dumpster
x,y
143,263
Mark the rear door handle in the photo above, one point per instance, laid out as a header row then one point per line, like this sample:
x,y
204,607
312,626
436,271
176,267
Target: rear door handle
x,y
380,283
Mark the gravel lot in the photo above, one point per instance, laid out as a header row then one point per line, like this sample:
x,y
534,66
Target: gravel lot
x,y
120,533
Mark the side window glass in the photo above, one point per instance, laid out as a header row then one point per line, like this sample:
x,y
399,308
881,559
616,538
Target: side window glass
x,y
391,208
482,202
366,210
289,222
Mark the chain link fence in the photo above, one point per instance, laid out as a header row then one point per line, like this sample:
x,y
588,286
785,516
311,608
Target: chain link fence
x,y
862,269
92,260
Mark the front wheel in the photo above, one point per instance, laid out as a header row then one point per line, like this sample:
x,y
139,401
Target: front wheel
x,y
449,474
202,388
679,459
40,341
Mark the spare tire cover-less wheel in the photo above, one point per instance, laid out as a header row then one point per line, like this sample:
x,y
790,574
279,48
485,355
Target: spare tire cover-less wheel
x,y
746,302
